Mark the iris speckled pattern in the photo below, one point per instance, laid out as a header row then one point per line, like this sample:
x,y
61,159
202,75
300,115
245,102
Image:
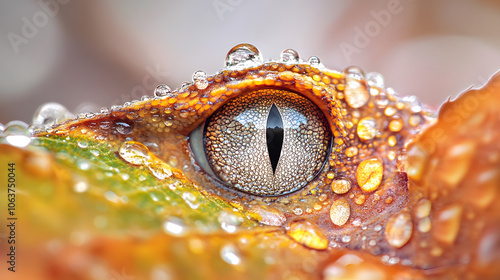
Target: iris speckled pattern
x,y
365,184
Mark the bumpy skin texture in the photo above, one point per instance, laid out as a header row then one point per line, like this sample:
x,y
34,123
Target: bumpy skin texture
x,y
402,195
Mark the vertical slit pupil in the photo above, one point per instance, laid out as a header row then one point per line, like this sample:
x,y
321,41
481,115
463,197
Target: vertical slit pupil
x,y
274,136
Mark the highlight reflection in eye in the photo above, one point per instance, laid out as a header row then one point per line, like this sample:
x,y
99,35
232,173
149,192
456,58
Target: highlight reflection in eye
x,y
268,142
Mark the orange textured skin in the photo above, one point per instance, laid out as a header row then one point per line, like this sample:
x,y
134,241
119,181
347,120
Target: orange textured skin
x,y
421,192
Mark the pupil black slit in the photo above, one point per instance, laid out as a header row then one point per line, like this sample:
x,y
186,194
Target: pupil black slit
x,y
274,136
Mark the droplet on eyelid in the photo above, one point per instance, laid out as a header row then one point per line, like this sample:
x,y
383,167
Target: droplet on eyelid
x,y
289,56
200,79
314,61
162,90
242,56
375,79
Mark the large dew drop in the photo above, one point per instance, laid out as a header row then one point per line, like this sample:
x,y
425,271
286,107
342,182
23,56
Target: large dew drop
x,y
16,134
289,56
307,234
230,254
200,79
134,153
50,113
162,90
242,56
340,212
369,174
398,230
174,226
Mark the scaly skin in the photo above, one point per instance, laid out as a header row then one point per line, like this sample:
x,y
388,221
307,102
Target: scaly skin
x,y
415,200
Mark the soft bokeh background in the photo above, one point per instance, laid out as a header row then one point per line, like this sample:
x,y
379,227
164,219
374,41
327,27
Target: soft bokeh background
x,y
109,52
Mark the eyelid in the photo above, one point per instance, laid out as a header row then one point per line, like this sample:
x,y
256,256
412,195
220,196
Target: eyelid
x,y
318,86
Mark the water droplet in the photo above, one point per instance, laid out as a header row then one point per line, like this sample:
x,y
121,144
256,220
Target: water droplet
x,y
367,128
414,120
174,226
390,111
356,222
350,266
230,254
104,110
423,208
356,93
243,56
341,186
392,141
16,134
351,151
82,144
396,125
191,200
289,56
307,234
424,225
169,123
163,90
159,169
346,239
83,164
81,186
369,174
377,227
2,128
375,79
297,211
314,61
412,103
354,72
340,212
229,221
51,113
381,100
398,230
268,215
200,79
322,197
393,261
124,126
111,196
134,153
95,152
359,199
447,223
372,243
125,176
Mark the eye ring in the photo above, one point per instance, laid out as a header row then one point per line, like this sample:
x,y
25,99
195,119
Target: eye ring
x,y
232,145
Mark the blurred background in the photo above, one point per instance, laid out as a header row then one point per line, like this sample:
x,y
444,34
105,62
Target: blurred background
x,y
89,54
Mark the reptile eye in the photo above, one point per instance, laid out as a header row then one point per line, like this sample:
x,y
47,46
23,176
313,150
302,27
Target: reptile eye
x,y
267,142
